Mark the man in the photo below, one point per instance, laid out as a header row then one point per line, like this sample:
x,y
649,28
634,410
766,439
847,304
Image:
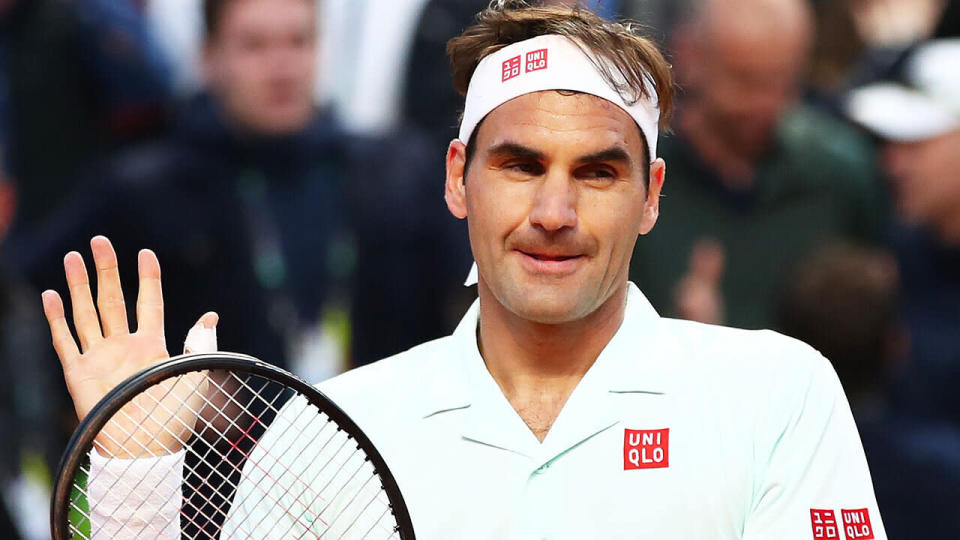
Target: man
x,y
257,190
528,421
756,179
919,120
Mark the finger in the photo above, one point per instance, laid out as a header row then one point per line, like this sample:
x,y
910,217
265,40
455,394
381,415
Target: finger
x,y
113,311
63,341
209,319
150,296
84,314
202,337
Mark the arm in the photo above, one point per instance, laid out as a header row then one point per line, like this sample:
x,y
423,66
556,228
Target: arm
x,y
812,475
141,496
108,354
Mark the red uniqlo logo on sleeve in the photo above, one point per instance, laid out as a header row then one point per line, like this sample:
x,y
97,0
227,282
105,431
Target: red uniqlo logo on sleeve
x,y
856,524
646,448
824,524
511,68
536,60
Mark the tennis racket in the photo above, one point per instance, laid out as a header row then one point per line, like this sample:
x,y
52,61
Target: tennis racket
x,y
247,451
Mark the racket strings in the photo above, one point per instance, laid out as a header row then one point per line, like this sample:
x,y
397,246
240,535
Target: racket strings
x,y
255,464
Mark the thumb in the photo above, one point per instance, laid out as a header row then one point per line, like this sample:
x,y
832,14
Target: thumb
x,y
707,261
202,337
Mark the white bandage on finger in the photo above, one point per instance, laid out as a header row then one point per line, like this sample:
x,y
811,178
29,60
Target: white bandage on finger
x,y
200,340
551,62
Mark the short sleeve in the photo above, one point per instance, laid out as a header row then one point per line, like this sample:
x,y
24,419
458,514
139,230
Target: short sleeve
x,y
811,475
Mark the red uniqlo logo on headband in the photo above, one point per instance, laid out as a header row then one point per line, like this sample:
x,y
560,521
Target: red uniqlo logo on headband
x,y
856,524
511,68
824,524
536,60
646,448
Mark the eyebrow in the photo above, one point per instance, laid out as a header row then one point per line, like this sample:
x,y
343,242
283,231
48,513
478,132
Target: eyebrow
x,y
614,154
512,149
516,150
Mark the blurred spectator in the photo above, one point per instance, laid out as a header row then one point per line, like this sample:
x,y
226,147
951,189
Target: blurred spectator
x,y
261,208
79,78
919,118
843,301
754,178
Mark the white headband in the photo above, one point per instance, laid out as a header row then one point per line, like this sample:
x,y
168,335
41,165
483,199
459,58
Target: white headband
x,y
550,62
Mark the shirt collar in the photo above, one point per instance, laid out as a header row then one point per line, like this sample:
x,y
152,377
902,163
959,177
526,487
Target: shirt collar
x,y
638,359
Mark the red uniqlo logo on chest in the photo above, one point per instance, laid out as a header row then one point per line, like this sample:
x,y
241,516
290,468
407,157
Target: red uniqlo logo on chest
x,y
824,524
856,524
511,68
646,448
536,60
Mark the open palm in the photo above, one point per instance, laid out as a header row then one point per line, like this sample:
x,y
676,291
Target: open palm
x,y
109,353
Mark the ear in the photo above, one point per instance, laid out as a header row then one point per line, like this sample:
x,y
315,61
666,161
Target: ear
x,y
455,191
651,208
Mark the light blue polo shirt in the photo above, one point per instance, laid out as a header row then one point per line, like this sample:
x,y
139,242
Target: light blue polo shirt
x,y
678,431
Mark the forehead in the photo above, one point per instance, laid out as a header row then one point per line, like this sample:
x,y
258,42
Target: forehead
x,y
558,120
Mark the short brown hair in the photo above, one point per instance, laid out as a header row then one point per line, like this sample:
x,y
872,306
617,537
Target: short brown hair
x,y
213,11
506,22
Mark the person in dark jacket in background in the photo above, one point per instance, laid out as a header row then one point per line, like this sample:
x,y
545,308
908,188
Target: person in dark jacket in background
x,y
265,209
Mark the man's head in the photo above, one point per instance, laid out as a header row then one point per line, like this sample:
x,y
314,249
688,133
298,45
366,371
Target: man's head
x,y
740,62
558,184
843,300
260,60
920,121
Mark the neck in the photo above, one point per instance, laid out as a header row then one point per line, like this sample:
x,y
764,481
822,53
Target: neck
x,y
735,168
527,357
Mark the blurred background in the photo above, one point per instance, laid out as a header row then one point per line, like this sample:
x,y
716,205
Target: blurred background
x,y
284,158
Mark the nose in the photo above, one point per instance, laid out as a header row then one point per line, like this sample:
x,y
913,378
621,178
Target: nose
x,y
555,203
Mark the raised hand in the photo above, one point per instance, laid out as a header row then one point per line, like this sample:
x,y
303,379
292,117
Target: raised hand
x,y
108,353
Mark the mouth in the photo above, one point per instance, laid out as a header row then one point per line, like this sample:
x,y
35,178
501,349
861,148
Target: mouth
x,y
545,257
556,264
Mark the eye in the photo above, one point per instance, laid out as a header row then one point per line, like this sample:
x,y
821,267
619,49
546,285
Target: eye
x,y
599,172
531,168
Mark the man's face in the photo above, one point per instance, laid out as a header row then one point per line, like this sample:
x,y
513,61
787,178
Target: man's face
x,y
745,82
926,178
261,64
554,201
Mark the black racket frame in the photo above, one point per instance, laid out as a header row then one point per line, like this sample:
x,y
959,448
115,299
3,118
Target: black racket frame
x,y
82,440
